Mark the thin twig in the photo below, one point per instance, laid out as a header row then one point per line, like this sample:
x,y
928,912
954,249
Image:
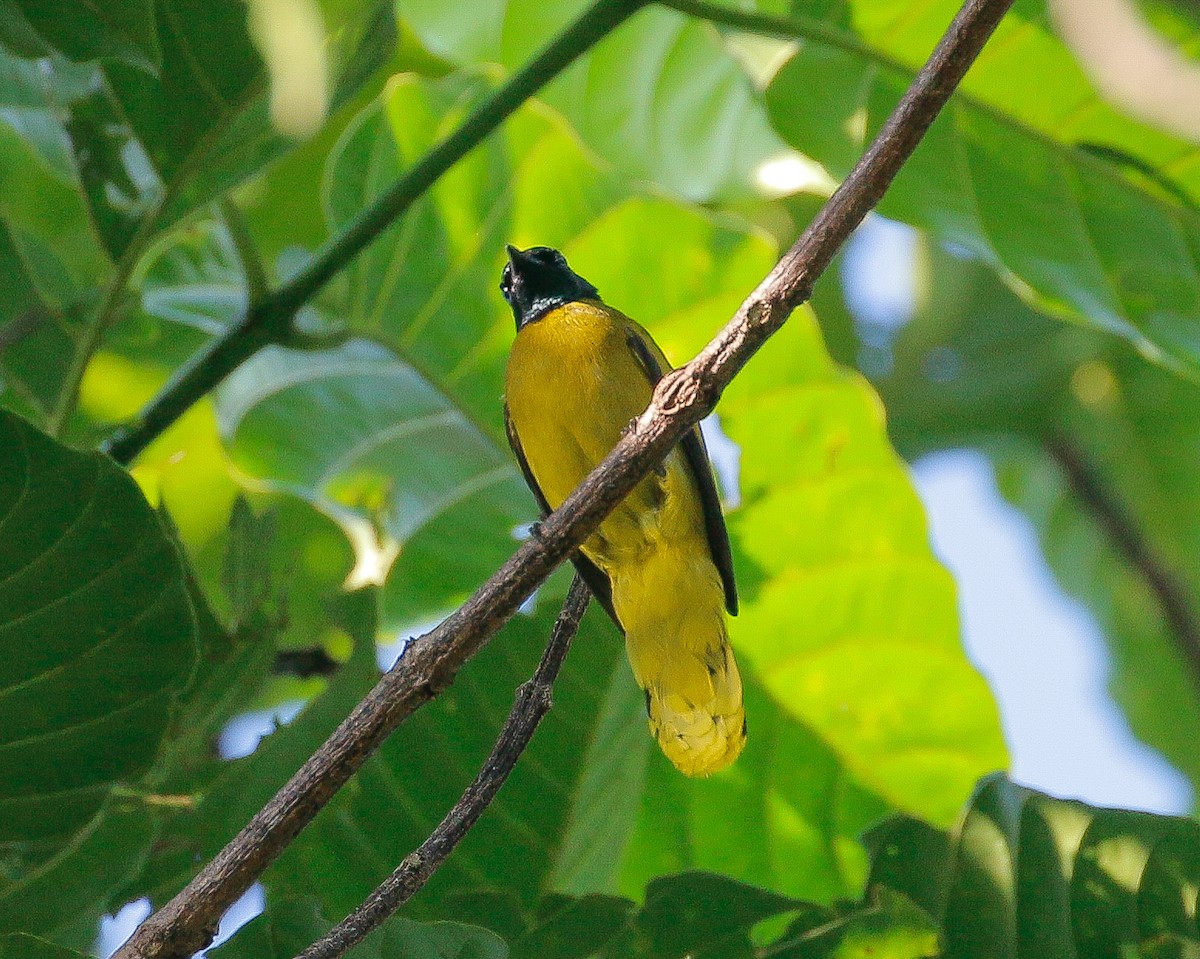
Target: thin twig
x,y
254,274
532,703
269,320
1101,500
681,399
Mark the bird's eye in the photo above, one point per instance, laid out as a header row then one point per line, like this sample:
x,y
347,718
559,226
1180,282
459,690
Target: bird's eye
x,y
506,282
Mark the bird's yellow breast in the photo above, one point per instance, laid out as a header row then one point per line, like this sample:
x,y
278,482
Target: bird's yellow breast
x,y
573,386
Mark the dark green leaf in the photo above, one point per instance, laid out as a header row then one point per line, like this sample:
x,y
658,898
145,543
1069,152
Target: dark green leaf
x,y
548,810
289,925
1034,877
22,946
80,880
118,30
209,72
91,574
284,929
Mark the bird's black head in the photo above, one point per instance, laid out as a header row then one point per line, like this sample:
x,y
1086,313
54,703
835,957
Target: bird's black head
x,y
537,280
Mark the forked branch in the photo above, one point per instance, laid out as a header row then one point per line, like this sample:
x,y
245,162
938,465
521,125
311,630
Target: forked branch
x,y
533,702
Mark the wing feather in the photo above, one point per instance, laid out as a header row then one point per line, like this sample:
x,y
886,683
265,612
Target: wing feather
x,y
655,364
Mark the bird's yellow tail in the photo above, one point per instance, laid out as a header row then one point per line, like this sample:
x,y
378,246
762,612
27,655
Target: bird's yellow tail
x,y
681,657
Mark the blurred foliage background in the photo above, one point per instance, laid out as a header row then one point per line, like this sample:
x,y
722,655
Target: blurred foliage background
x,y
163,160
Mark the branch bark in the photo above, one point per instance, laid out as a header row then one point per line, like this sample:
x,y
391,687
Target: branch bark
x,y
1098,497
268,319
532,703
681,400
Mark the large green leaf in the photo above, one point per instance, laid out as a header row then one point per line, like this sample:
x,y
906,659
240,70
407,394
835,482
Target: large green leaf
x,y
1080,235
1025,875
389,456
1025,72
954,383
121,30
80,881
97,629
290,925
22,946
659,98
546,812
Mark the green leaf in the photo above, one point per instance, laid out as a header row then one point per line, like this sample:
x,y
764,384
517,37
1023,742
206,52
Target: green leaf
x,y
1025,72
247,784
704,914
659,98
29,102
43,332
203,121
410,784
890,927
96,578
1028,875
81,880
848,620
953,384
391,458
284,929
289,925
209,72
1083,238
23,946
118,30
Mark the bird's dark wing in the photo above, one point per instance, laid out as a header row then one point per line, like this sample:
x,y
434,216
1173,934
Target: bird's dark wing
x,y
696,455
596,579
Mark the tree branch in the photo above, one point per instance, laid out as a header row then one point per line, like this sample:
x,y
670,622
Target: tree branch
x,y
532,703
681,399
268,320
1118,523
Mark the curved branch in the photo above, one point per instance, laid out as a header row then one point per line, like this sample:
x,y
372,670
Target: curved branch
x,y
532,703
681,400
268,320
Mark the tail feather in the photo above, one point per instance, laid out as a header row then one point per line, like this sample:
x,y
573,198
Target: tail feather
x,y
679,649
700,734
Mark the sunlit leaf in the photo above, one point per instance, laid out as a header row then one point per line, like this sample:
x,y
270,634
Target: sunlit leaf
x,y
660,98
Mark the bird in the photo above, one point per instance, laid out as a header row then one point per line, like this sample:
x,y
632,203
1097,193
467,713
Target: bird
x,y
660,564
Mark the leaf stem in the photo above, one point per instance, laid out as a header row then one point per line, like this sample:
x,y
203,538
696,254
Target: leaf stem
x,y
533,701
681,399
249,259
1087,483
269,320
